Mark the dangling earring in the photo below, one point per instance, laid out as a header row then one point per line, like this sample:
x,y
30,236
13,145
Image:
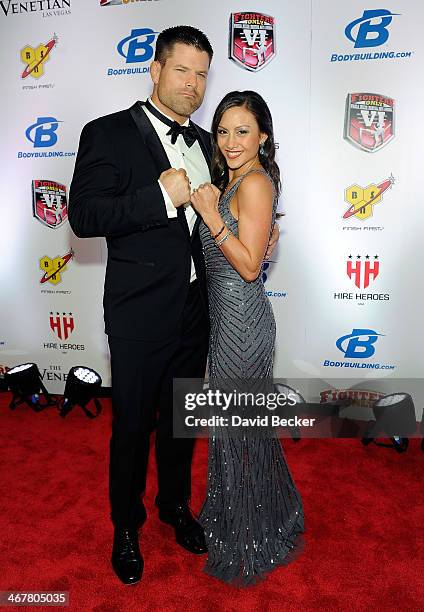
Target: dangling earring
x,y
261,149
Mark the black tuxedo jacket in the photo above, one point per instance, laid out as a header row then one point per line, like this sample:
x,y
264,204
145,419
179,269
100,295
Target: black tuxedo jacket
x,y
115,193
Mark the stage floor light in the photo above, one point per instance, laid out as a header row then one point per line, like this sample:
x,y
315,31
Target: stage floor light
x,y
26,384
395,418
296,398
82,386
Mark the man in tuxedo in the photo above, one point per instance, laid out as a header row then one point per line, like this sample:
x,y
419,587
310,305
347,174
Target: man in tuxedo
x,y
133,177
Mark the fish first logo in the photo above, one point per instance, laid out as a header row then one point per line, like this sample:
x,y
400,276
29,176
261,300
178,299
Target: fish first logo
x,y
370,30
34,58
53,268
362,200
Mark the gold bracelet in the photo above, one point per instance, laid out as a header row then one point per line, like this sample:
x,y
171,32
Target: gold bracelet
x,y
220,232
223,239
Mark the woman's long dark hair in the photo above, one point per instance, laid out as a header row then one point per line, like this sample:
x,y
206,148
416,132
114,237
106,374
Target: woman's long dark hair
x,y
258,107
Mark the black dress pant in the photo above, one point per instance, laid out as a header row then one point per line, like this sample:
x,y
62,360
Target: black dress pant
x,y
142,375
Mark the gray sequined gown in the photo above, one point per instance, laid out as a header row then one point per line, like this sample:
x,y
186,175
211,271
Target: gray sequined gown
x,y
252,514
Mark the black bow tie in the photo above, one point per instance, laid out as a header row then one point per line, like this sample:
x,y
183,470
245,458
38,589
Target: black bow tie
x,y
189,132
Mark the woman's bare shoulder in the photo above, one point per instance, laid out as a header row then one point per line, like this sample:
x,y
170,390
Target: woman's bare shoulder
x,y
256,183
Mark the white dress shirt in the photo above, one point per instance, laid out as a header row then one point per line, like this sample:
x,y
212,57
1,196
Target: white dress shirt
x,y
181,156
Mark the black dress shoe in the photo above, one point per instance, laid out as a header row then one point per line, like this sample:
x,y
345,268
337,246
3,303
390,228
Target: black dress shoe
x,y
188,532
127,561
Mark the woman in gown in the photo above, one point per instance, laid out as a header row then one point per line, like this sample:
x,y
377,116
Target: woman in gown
x,y
253,514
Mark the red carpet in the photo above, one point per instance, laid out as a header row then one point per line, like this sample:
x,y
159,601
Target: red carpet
x,y
364,510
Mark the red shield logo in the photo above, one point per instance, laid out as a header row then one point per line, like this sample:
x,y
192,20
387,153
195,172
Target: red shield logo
x,y
362,270
49,203
252,40
62,325
369,121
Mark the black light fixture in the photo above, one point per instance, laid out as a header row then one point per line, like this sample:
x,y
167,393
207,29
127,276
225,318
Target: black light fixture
x,y
82,386
291,410
395,418
3,383
27,386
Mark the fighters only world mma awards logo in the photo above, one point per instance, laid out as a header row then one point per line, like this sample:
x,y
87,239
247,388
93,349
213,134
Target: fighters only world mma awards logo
x,y
251,40
369,121
49,203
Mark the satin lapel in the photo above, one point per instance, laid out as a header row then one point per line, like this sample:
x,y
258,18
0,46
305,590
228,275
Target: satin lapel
x,y
153,143
206,146
150,137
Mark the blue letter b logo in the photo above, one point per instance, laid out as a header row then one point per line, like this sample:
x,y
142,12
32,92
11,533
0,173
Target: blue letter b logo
x,y
44,132
138,50
359,343
370,34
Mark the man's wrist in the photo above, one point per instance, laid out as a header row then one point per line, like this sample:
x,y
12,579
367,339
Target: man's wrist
x,y
171,210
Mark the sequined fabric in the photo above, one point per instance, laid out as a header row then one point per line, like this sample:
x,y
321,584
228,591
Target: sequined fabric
x,y
252,514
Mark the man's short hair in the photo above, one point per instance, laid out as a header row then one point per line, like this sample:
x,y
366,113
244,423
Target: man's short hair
x,y
187,35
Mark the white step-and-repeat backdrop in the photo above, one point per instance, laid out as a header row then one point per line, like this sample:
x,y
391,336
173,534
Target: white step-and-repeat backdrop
x,y
344,83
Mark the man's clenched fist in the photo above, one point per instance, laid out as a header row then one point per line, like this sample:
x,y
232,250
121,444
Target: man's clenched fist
x,y
177,185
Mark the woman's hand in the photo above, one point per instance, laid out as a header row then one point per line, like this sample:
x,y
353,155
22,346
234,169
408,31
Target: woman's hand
x,y
205,200
275,236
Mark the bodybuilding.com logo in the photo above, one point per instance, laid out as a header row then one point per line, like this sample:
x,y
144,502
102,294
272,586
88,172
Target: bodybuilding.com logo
x,y
370,30
265,272
42,134
358,345
135,48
